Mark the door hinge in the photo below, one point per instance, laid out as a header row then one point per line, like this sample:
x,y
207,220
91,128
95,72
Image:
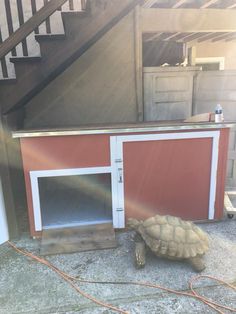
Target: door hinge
x,y
118,160
120,209
120,175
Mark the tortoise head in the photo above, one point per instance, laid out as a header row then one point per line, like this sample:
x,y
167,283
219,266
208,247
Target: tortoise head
x,y
133,223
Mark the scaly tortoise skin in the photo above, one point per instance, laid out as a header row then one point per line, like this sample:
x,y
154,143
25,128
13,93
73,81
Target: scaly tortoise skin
x,y
169,237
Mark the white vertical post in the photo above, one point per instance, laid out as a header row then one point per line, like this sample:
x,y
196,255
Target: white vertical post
x,y
117,183
4,236
213,179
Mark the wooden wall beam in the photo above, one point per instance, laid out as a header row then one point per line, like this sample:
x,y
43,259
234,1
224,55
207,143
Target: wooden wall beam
x,y
149,3
225,36
187,20
211,36
178,4
208,3
231,6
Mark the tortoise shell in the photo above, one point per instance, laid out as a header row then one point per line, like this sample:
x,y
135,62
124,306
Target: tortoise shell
x,y
173,237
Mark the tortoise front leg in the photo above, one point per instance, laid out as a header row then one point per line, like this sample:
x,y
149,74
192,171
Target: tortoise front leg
x,y
140,254
197,263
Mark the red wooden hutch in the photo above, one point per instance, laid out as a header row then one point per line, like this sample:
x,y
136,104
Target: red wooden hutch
x,y
90,175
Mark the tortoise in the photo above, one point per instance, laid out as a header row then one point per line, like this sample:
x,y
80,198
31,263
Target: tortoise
x,y
169,237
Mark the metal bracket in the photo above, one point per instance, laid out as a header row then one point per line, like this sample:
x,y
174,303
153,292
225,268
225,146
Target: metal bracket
x,y
120,209
120,175
118,160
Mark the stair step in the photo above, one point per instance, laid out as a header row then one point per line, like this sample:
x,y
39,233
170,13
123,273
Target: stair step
x,y
8,81
49,37
23,65
76,14
73,23
48,47
49,42
24,59
78,239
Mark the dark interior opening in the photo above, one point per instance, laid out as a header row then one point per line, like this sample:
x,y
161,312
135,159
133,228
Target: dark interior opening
x,y
75,200
158,52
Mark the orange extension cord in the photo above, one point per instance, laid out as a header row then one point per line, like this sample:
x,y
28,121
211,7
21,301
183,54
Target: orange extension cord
x,y
71,279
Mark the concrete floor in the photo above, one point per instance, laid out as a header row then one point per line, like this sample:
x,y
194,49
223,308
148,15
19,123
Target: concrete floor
x,y
28,287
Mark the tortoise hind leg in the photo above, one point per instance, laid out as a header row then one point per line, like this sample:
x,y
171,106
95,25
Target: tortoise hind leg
x,y
140,252
197,263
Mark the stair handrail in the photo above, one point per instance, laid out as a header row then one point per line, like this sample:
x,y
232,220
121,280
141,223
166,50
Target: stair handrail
x,y
29,26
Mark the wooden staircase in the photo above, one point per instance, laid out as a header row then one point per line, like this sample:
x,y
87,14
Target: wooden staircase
x,y
58,51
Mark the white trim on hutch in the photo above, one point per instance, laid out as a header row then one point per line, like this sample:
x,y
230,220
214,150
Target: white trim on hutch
x,y
34,175
117,175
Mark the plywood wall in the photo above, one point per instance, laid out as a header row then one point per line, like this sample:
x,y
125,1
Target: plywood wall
x,y
168,92
173,93
98,88
227,50
212,87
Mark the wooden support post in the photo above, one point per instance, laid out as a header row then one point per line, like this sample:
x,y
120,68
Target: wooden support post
x,y
138,64
190,20
12,122
192,56
6,184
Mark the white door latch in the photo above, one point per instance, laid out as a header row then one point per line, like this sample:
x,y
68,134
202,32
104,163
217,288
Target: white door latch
x,y
120,175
